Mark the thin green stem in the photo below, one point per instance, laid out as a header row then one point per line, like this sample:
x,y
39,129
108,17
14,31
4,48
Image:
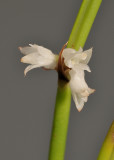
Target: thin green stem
x,y
83,23
81,29
60,123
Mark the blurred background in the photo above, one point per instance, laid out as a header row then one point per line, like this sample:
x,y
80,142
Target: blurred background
x,y
27,104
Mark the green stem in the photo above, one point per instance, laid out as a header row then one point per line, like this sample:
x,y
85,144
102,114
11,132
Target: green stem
x,y
107,150
81,29
60,123
83,23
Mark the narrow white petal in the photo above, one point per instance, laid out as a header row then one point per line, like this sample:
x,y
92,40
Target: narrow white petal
x,y
40,56
27,50
78,58
85,93
52,63
90,90
31,58
82,67
89,54
79,88
77,82
74,58
79,102
36,59
30,67
68,50
35,48
45,52
68,53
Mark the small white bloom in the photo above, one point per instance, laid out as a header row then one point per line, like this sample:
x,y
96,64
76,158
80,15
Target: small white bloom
x,y
77,62
77,59
70,65
38,56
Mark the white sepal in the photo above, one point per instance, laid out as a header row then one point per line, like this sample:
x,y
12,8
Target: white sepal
x,y
77,61
79,88
38,56
73,57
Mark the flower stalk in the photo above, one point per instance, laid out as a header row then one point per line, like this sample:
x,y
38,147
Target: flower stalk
x,y
79,34
60,122
83,23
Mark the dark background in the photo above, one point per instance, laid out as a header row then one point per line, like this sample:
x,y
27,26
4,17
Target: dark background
x,y
27,104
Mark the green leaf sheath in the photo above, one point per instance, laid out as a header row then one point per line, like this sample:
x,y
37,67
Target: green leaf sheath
x,y
81,28
83,23
107,150
60,123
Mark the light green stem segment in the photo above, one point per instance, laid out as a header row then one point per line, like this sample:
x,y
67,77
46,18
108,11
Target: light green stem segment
x,y
60,123
107,150
83,23
81,28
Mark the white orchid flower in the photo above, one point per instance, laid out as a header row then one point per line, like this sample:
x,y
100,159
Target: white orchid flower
x,y
70,65
77,61
38,56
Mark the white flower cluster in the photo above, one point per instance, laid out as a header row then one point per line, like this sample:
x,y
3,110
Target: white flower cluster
x,y
76,61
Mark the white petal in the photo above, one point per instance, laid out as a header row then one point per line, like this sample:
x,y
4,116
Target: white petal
x,y
82,67
78,102
36,59
40,56
30,67
27,50
32,58
45,52
89,54
77,81
52,63
73,57
79,88
35,48
78,58
69,53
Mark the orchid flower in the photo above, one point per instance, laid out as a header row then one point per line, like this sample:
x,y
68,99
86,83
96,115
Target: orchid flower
x,y
38,56
70,65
